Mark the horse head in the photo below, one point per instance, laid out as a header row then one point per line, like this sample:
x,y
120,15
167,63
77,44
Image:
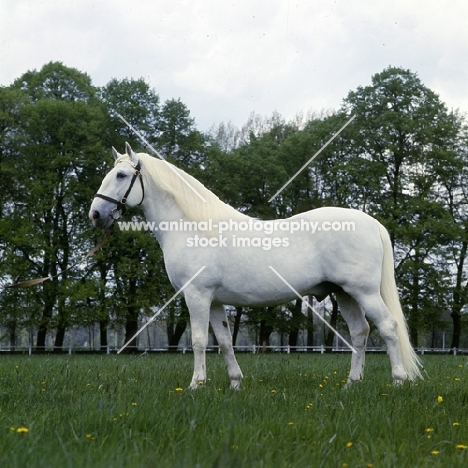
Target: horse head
x,y
118,189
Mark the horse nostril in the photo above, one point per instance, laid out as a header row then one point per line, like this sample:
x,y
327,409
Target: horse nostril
x,y
96,214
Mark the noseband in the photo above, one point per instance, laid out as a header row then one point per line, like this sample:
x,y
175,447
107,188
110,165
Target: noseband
x,y
121,205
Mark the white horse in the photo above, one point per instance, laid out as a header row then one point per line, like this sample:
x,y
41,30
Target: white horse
x,y
249,262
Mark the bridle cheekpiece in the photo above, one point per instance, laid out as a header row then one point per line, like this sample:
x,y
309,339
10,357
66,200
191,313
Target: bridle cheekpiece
x,y
121,207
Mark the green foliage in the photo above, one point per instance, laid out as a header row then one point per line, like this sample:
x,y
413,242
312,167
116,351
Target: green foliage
x,y
402,160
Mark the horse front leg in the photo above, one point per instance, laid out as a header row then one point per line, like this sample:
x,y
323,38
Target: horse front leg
x,y
358,330
199,310
220,325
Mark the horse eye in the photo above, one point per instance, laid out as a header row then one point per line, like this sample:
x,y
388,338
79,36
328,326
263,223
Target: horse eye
x,y
121,175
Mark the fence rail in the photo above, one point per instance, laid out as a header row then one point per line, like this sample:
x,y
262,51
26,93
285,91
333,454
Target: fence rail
x,y
254,349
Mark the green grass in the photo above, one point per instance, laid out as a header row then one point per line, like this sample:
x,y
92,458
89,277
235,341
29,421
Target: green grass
x,y
124,411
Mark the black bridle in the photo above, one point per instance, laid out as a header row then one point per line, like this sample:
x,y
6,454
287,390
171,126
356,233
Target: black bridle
x,y
121,205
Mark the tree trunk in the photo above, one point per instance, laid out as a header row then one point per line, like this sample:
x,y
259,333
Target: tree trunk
x,y
103,334
59,338
264,335
237,320
43,327
297,320
177,326
176,335
459,299
456,318
12,333
310,324
333,319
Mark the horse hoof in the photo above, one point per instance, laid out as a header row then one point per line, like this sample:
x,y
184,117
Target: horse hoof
x,y
236,385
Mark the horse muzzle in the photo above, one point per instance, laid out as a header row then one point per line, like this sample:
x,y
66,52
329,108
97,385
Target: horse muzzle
x,y
103,221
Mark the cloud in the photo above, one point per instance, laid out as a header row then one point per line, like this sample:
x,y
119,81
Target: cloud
x,y
227,59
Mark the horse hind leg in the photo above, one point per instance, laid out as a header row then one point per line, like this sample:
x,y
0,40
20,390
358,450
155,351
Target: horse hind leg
x,y
374,307
220,325
359,331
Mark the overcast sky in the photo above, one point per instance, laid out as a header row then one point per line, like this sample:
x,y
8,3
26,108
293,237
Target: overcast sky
x,y
227,58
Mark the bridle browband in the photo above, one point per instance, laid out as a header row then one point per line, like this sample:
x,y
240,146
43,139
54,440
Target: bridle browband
x,y
121,207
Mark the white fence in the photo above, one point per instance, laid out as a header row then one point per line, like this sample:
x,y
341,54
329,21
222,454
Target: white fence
x,y
254,349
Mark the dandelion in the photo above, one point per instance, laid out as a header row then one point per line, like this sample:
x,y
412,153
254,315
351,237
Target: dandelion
x,y
134,403
22,430
90,437
349,444
457,379
179,389
290,423
455,424
435,452
440,399
273,391
429,429
461,446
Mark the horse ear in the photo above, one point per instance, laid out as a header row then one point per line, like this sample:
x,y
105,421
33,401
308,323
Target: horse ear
x,y
131,154
115,154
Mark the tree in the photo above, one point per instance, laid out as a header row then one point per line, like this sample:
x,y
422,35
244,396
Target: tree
x,y
403,136
54,138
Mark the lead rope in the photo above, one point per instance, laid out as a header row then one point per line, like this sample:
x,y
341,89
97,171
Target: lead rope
x,y
33,282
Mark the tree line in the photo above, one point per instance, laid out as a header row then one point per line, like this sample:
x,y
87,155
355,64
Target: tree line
x,y
402,160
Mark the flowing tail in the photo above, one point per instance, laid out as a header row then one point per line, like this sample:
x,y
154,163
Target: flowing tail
x,y
389,293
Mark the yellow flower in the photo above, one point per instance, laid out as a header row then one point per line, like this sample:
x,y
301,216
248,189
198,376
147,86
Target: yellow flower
x,y
344,465
440,399
273,391
290,423
22,430
455,424
134,403
178,389
461,446
435,452
429,429
90,436
349,444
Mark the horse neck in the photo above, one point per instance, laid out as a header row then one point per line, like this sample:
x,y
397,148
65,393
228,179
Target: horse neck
x,y
160,207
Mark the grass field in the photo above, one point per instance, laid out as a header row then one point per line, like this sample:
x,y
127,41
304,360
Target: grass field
x,y
136,411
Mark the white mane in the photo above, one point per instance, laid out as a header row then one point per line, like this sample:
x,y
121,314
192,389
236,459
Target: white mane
x,y
169,179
